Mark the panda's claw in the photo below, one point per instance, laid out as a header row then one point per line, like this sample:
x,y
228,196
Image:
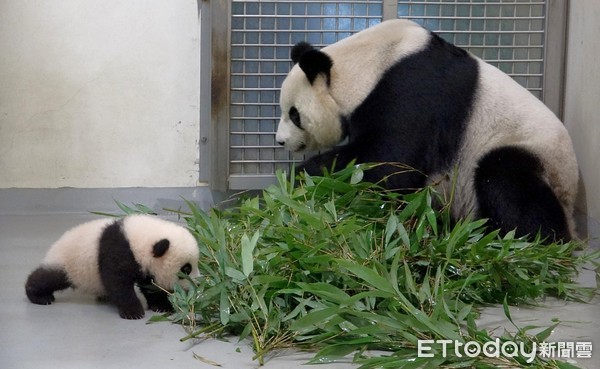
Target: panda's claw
x,y
131,311
42,300
161,308
131,314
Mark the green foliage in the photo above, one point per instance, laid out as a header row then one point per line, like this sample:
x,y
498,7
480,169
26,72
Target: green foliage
x,y
342,266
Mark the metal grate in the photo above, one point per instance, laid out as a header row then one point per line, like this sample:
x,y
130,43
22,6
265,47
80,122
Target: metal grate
x,y
508,34
262,34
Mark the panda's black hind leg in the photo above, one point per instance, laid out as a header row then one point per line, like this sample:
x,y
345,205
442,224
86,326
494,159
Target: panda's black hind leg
x,y
42,283
512,195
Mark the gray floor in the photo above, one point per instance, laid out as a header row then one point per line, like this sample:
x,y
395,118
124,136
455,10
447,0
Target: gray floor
x,y
77,332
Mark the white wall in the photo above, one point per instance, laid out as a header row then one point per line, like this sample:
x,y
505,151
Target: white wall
x,y
582,101
99,93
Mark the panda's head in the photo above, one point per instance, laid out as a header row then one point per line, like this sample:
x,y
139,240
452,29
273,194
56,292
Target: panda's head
x,y
311,119
163,249
173,257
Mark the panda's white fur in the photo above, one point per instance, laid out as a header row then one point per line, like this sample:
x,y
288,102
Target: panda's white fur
x,y
515,117
76,251
144,230
502,114
76,260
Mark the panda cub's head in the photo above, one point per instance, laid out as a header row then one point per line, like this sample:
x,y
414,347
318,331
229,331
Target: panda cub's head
x,y
174,249
311,119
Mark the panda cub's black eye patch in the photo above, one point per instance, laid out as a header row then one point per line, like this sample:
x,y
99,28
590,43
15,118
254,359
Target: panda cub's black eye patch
x,y
186,269
295,117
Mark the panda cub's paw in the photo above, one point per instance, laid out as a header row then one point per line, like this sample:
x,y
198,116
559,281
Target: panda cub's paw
x,y
41,300
161,307
131,312
159,302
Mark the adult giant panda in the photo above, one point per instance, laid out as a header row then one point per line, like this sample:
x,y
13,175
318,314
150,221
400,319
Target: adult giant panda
x,y
399,93
107,257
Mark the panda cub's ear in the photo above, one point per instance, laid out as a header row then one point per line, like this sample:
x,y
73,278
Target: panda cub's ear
x,y
160,248
312,61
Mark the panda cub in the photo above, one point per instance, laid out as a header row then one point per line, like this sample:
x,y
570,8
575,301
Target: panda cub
x,y
107,257
398,93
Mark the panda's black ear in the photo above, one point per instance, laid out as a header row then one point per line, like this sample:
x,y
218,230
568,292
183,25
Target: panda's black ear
x,y
299,49
312,61
160,248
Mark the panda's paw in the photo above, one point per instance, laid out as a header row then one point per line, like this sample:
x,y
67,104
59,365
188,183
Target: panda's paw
x,y
131,313
161,308
41,300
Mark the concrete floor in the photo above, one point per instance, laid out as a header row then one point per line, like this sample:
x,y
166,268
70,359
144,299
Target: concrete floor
x,y
77,332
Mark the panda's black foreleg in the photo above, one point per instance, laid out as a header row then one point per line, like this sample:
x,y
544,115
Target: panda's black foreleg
x,y
119,282
332,161
120,291
157,299
42,283
124,297
512,194
119,271
392,175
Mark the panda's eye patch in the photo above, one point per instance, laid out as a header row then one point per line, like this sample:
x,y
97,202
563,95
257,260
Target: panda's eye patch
x,y
186,269
295,117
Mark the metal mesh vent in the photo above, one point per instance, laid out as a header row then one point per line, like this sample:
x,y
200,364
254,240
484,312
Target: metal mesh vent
x,y
508,34
262,34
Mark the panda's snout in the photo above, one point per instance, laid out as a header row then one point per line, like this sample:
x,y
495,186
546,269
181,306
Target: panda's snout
x,y
281,143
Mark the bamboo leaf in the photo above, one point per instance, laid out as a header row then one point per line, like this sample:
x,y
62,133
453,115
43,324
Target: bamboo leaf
x,y
224,307
368,276
328,291
336,352
309,322
565,365
390,229
357,176
248,246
